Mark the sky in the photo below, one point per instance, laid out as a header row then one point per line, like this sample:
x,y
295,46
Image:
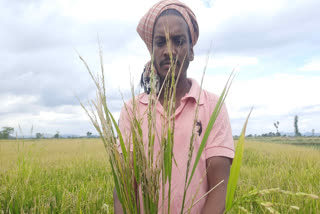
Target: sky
x,y
274,46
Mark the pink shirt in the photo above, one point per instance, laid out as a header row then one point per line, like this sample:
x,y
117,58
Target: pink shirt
x,y
220,141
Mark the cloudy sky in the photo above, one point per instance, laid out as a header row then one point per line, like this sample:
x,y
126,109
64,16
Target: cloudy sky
x,y
273,44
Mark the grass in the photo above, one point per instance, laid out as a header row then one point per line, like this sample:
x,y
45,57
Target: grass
x,y
287,167
54,176
73,176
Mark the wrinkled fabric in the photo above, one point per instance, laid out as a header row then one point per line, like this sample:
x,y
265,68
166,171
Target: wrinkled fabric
x,y
146,24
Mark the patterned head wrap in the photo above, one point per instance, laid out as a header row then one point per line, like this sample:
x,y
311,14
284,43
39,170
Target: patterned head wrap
x,y
146,24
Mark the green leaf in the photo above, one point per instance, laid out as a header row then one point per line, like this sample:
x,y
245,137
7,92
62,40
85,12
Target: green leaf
x,y
170,148
167,156
135,167
123,148
210,124
235,168
116,183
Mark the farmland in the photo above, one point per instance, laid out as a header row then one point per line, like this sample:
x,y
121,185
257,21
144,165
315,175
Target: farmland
x,y
73,175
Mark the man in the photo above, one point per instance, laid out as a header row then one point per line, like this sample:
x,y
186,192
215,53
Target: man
x,y
175,18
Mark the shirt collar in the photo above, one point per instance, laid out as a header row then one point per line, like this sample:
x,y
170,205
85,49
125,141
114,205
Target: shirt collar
x,y
193,93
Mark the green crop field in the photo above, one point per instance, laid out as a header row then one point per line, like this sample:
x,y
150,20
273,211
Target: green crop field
x,y
61,176
73,175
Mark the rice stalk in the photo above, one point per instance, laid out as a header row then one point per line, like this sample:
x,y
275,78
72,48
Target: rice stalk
x,y
136,165
191,147
256,197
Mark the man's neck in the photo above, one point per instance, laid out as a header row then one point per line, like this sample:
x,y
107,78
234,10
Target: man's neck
x,y
183,87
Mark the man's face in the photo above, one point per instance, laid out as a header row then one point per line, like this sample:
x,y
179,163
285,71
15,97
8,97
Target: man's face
x,y
180,46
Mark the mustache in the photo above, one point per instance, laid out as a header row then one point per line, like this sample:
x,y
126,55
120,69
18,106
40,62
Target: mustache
x,y
167,61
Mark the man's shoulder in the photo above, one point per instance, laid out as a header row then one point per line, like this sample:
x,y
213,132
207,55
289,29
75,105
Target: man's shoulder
x,y
209,96
206,96
141,98
210,102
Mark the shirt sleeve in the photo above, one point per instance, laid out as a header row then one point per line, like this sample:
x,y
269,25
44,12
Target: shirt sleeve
x,y
220,141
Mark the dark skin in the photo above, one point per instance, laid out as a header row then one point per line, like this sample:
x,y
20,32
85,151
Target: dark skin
x,y
180,48
116,203
218,168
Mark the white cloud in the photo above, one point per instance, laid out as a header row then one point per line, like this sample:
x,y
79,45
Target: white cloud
x,y
225,61
9,102
65,119
278,94
223,10
41,73
120,70
258,26
314,65
97,10
276,97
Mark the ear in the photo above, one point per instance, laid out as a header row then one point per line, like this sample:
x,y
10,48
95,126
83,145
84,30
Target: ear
x,y
191,55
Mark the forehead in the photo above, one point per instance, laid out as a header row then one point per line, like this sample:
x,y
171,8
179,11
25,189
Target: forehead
x,y
174,25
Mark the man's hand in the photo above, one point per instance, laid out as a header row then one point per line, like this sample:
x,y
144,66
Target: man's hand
x,y
218,170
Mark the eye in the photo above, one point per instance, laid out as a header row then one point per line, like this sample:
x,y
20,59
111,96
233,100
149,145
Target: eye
x,y
160,42
179,41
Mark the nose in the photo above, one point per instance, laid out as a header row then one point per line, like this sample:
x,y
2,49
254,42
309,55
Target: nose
x,y
170,49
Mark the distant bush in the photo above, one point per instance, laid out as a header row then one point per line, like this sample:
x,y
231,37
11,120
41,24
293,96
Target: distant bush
x,y
5,133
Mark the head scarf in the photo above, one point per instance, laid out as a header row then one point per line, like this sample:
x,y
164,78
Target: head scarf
x,y
146,24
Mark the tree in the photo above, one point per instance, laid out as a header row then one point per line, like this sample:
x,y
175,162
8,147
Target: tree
x,y
6,131
39,135
89,134
271,134
296,129
57,135
277,126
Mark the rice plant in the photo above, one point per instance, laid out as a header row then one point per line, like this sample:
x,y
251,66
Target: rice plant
x,y
134,166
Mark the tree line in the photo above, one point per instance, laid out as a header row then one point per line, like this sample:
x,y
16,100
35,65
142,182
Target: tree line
x,y
276,124
7,132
